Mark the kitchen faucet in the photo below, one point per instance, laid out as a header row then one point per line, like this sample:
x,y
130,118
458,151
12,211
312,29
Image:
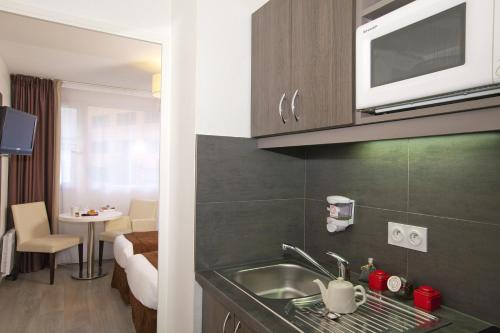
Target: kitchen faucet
x,y
343,264
344,268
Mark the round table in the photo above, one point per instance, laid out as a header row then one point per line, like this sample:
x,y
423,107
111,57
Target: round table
x,y
105,216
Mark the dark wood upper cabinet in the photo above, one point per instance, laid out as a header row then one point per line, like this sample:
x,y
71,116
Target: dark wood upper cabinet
x,y
304,50
271,47
322,35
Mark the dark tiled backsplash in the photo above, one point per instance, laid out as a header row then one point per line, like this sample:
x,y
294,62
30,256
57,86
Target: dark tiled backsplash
x,y
237,232
375,174
233,169
449,184
462,262
368,235
456,177
249,201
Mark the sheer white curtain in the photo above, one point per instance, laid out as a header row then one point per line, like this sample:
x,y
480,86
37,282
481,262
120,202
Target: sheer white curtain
x,y
110,144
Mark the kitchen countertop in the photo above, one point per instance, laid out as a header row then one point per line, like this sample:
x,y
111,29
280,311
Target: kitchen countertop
x,y
261,319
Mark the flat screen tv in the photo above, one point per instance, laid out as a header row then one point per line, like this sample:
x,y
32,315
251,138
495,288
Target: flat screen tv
x,y
17,131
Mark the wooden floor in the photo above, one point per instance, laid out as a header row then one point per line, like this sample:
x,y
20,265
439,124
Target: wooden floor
x,y
30,304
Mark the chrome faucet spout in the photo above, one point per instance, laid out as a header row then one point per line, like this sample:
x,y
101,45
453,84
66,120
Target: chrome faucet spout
x,y
308,258
344,268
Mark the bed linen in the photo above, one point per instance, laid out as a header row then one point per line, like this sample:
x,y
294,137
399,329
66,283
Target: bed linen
x,y
124,247
142,278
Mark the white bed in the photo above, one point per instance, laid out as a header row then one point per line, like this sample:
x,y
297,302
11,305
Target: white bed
x,y
142,278
123,249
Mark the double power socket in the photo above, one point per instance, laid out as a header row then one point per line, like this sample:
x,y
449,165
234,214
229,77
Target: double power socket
x,y
407,236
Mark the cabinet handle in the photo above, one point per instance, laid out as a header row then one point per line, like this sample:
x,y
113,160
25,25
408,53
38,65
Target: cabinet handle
x,y
294,107
280,108
225,322
237,328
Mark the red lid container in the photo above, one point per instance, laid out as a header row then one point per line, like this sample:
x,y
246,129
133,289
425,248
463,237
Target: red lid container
x,y
377,280
427,298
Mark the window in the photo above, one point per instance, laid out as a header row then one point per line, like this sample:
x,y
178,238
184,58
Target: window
x,y
109,149
69,143
126,118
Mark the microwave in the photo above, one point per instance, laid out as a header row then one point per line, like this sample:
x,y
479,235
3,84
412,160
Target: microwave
x,y
428,52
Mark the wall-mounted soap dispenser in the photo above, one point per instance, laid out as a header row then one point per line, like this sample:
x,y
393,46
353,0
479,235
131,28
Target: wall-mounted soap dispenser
x,y
341,213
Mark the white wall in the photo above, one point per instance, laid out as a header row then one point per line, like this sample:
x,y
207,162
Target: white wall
x,y
5,90
176,253
223,62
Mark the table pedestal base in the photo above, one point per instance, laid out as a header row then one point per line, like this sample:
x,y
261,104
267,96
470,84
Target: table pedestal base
x,y
85,276
89,273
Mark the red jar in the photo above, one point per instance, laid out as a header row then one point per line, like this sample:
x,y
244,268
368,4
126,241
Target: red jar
x,y
427,298
377,280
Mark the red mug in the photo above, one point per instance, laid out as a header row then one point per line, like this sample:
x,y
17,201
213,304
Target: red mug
x,y
377,280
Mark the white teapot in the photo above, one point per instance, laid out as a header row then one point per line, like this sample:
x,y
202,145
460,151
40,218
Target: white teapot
x,y
340,297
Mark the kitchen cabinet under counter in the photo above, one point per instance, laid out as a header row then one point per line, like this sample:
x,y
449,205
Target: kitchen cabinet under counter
x,y
218,318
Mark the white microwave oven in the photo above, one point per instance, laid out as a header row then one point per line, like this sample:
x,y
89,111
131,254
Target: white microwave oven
x,y
428,52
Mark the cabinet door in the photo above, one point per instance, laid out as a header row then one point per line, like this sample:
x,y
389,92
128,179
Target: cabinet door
x,y
322,63
240,327
271,49
216,318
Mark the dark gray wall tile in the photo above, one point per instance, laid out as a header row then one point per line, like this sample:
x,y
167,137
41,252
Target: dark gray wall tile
x,y
366,238
456,176
239,232
372,173
233,169
462,263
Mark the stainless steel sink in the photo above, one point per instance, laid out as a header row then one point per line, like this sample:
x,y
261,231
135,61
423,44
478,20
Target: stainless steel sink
x,y
286,288
279,281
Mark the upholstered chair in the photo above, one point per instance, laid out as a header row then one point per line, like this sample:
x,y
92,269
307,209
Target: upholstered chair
x,y
141,217
33,234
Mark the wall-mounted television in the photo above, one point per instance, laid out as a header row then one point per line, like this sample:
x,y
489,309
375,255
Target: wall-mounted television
x,y
17,131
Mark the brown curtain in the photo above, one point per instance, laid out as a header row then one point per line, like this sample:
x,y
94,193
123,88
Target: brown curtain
x,y
31,178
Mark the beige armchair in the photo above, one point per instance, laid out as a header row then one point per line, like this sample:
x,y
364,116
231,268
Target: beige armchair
x,y
33,234
141,217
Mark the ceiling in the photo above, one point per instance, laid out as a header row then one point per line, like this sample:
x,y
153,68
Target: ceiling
x,y
40,48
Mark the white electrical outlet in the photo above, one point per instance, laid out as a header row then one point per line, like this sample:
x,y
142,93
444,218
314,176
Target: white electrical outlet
x,y
407,236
